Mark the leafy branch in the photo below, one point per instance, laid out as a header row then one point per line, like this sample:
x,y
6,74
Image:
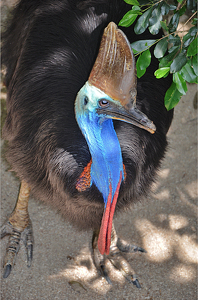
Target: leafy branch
x,y
176,50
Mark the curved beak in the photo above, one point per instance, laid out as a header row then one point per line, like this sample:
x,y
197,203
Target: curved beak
x,y
132,116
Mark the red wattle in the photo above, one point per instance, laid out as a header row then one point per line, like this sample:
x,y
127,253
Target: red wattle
x,y
104,224
104,238
112,210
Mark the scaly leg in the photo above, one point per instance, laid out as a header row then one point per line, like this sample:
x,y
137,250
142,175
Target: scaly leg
x,y
115,257
19,227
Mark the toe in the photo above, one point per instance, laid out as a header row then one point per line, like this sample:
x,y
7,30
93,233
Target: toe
x,y
128,248
7,271
27,237
11,252
6,229
120,263
13,245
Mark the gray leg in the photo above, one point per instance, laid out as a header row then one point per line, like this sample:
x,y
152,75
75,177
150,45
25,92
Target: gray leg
x,y
19,227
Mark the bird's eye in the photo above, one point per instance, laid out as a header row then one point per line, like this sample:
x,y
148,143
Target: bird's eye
x,y
86,100
103,103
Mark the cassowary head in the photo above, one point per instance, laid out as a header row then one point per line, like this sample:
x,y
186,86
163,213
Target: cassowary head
x,y
109,93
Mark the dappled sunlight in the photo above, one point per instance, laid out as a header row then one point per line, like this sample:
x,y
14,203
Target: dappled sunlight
x,y
177,222
156,242
161,243
192,189
187,249
162,217
183,273
81,273
186,200
164,173
164,244
164,194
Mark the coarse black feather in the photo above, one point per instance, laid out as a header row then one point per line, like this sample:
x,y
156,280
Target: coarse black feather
x,y
49,50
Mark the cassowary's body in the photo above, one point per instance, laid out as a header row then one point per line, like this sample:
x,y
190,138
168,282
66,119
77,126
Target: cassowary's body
x,y
49,55
49,51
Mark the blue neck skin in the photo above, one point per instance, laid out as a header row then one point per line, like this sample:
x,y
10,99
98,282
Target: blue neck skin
x,y
101,139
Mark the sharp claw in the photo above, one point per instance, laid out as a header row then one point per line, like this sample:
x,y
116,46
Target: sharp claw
x,y
136,283
128,248
29,255
7,271
141,250
105,274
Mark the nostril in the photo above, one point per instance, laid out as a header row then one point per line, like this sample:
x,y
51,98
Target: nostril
x,y
86,100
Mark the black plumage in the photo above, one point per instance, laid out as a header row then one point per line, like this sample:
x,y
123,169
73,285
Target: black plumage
x,y
49,50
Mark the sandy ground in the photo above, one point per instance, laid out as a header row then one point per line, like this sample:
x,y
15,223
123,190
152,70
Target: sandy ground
x,y
164,224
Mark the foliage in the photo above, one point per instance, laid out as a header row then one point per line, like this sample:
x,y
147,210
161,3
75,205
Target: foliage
x,y
176,50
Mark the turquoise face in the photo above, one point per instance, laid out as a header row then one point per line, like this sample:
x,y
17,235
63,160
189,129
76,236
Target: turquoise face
x,y
101,138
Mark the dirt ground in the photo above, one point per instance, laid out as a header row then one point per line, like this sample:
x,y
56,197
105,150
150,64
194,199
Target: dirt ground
x,y
164,224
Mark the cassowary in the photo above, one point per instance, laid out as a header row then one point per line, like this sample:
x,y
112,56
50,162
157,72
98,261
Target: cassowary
x,y
84,135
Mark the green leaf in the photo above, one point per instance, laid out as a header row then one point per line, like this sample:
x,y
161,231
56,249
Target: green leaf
x,y
193,30
193,48
143,22
180,1
136,9
190,36
134,51
178,62
132,2
180,83
164,26
174,49
140,72
128,19
172,97
144,59
165,8
162,72
191,4
167,60
188,74
143,62
175,40
172,7
174,22
182,10
194,21
160,48
187,39
140,46
195,64
155,21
